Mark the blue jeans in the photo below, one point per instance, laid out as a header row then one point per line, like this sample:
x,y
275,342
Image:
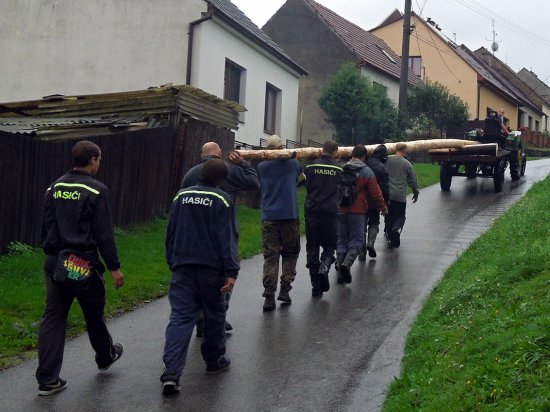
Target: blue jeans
x,y
351,232
194,288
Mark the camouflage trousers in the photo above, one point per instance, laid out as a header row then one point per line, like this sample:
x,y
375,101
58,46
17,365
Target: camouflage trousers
x,y
280,238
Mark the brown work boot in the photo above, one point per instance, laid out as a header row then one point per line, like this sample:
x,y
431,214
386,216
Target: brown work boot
x,y
284,296
269,303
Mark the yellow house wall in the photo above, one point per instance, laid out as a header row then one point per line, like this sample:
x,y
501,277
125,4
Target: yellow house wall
x,y
488,99
441,63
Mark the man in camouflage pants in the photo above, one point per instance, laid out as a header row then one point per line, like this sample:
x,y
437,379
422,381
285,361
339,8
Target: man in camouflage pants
x,y
280,224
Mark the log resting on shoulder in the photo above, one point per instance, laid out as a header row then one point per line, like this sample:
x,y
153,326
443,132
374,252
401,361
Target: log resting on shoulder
x,y
345,152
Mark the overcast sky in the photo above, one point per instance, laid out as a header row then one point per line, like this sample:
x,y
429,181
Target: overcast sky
x,y
522,30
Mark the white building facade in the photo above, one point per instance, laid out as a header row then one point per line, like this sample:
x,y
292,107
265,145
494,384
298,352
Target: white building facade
x,y
227,64
82,47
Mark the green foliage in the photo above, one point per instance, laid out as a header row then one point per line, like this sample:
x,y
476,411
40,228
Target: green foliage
x,y
18,248
431,105
359,110
482,340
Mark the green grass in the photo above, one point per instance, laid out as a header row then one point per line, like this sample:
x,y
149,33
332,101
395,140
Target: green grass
x,y
482,340
427,174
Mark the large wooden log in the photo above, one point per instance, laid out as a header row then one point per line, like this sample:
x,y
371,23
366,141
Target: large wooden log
x,y
345,152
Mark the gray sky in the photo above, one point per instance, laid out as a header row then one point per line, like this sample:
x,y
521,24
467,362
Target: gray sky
x,y
521,26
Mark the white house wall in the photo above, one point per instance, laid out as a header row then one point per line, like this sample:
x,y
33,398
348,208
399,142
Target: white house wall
x,y
392,85
524,121
212,44
545,121
92,46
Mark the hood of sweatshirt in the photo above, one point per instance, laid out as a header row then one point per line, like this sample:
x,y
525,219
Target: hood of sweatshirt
x,y
381,152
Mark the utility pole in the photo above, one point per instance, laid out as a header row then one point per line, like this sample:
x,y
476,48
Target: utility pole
x,y
404,81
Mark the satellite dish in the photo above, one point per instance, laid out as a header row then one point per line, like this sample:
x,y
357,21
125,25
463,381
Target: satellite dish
x,y
494,46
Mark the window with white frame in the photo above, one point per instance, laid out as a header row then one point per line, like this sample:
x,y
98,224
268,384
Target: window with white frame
x,y
272,114
415,65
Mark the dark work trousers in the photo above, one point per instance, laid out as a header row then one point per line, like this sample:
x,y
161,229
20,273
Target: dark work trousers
x,y
372,217
395,219
351,232
194,288
321,232
51,336
200,322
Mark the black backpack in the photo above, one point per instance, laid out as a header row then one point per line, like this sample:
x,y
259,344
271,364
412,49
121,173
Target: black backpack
x,y
346,185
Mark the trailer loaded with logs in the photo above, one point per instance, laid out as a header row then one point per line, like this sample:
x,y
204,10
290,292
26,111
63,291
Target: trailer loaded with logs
x,y
496,151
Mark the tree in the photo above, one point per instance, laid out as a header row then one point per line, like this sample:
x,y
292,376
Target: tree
x,y
431,105
359,110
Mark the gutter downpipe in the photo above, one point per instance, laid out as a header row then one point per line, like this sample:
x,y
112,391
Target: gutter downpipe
x,y
190,46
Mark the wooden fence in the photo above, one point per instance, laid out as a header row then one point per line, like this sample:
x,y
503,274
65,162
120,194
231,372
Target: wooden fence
x,y
143,170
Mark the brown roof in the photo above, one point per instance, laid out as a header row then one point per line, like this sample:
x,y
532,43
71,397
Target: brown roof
x,y
518,86
538,86
372,50
485,74
394,16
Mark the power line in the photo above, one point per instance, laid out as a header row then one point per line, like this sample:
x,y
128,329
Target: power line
x,y
435,47
504,23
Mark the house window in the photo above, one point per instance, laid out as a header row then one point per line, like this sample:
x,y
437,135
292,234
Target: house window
x,y
530,123
234,84
379,87
415,65
272,115
537,126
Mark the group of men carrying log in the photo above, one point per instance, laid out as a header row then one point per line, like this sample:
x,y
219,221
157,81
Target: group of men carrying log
x,y
201,242
339,197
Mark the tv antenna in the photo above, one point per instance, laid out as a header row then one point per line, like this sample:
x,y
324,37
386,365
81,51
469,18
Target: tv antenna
x,y
494,44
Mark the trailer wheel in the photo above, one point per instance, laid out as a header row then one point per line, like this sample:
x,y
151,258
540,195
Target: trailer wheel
x,y
516,164
498,176
486,170
445,176
471,170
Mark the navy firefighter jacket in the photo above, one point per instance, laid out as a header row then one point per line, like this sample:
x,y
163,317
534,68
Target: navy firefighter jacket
x,y
77,216
202,230
322,186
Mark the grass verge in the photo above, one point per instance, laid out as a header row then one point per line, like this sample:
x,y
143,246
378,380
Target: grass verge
x,y
482,340
141,251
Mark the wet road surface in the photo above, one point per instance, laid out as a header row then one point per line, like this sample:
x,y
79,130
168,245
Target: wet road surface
x,y
337,353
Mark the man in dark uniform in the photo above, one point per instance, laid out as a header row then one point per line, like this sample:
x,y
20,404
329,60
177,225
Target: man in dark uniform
x,y
321,215
201,250
241,177
76,216
376,162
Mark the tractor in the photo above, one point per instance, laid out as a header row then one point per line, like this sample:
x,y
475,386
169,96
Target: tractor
x,y
497,151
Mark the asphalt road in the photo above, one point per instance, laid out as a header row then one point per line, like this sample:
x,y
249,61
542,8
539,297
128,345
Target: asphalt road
x,y
338,353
